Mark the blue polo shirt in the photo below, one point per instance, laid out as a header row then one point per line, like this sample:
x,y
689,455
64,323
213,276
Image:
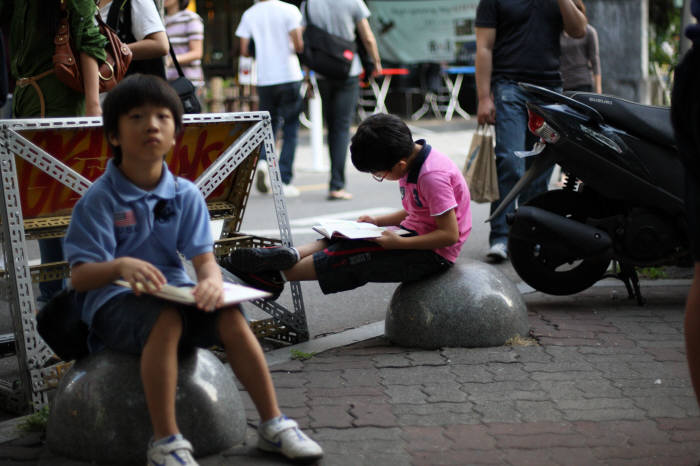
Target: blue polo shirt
x,y
115,218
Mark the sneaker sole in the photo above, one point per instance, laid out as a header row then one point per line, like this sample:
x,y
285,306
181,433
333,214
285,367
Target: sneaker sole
x,y
296,459
254,260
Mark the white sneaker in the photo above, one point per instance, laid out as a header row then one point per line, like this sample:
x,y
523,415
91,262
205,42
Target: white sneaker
x,y
290,191
498,252
282,435
262,177
176,452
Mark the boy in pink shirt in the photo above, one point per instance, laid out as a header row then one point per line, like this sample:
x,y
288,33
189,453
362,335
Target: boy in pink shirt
x,y
436,211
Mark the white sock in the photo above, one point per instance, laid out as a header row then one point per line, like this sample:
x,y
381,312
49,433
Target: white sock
x,y
296,253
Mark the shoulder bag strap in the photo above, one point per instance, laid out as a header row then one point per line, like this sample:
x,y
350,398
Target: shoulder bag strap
x,y
175,62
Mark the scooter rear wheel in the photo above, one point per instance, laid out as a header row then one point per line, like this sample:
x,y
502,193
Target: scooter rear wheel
x,y
544,269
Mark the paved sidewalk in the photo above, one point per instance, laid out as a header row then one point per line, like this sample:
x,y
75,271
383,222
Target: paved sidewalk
x,y
607,383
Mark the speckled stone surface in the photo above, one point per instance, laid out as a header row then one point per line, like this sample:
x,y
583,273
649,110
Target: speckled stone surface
x,y
100,407
470,305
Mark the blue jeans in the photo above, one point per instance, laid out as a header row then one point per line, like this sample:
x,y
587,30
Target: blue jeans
x,y
339,101
512,135
284,102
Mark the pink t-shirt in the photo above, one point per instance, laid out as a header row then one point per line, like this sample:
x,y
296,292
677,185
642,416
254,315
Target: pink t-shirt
x,y
433,186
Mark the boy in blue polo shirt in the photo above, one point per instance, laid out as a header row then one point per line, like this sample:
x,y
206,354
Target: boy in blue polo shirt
x,y
132,224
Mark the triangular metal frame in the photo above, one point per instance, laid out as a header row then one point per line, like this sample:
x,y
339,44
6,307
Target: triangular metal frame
x,y
32,353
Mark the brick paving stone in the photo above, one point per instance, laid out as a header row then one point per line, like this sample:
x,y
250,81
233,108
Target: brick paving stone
x,y
291,397
562,390
289,379
417,375
470,436
428,438
668,354
497,411
555,341
532,411
345,392
616,341
659,407
686,436
436,414
558,366
444,392
573,456
539,441
690,423
613,354
598,388
459,458
595,403
372,414
325,379
405,394
604,414
516,395
574,375
505,372
427,358
520,457
362,377
330,416
688,403
498,390
391,360
531,354
530,428
480,355
472,373
616,369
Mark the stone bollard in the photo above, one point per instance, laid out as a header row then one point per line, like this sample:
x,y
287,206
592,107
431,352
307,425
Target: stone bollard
x,y
99,411
472,305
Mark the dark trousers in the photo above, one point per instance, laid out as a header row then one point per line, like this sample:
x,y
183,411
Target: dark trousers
x,y
339,100
283,101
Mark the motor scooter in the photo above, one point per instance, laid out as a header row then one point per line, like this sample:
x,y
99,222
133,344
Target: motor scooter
x,y
622,200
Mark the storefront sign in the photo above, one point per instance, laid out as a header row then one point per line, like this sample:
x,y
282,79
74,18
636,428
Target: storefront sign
x,y
423,30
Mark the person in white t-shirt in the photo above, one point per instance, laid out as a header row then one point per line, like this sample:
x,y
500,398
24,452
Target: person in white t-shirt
x,y
275,28
146,36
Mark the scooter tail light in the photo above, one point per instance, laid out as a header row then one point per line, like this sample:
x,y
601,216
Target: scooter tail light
x,y
539,127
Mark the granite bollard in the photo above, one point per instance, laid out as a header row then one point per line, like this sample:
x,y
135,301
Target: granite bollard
x,y
470,305
99,412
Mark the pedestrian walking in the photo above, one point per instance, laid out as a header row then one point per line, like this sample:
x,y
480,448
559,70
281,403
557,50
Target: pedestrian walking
x,y
517,41
339,96
580,59
275,28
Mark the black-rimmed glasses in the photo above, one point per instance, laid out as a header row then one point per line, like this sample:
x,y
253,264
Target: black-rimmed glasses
x,y
380,178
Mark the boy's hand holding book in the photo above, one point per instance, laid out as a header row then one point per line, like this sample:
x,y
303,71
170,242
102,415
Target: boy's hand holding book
x,y
209,294
388,240
142,276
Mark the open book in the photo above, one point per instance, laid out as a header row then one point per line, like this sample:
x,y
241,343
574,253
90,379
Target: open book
x,y
353,230
233,293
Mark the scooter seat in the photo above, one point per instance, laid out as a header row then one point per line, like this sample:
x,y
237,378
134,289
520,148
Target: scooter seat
x,y
644,121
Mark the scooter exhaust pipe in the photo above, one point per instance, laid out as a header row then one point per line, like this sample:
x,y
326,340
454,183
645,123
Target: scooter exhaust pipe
x,y
567,236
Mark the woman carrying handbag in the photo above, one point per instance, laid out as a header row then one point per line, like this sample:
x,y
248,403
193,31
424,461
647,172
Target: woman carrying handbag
x,y
38,92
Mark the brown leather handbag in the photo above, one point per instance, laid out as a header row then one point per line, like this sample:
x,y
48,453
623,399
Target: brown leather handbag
x,y
67,66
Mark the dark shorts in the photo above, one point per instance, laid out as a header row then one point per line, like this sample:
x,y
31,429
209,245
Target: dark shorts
x,y
124,323
347,264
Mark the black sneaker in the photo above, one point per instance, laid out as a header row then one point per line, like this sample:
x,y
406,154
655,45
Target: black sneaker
x,y
258,259
267,280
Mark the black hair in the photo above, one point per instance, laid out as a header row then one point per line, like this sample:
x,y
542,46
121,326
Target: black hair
x,y
380,142
134,91
183,4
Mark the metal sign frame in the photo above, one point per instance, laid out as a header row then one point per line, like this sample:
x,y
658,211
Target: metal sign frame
x,y
36,374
